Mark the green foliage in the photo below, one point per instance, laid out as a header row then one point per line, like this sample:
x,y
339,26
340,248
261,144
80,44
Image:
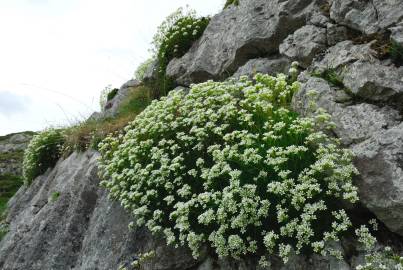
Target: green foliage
x,y
42,153
381,260
173,39
89,133
142,69
229,165
103,98
112,94
231,2
15,155
55,195
396,53
331,75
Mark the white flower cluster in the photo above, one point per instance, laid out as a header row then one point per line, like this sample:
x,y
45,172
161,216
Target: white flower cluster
x,y
231,166
383,259
42,153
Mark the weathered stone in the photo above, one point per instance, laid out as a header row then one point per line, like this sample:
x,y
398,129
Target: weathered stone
x,y
81,229
304,44
336,34
354,123
380,162
251,30
343,53
374,81
112,107
397,34
151,72
318,19
367,16
11,152
270,66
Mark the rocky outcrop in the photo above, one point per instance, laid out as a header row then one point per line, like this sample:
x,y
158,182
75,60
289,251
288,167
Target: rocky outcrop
x,y
82,229
250,30
78,229
12,149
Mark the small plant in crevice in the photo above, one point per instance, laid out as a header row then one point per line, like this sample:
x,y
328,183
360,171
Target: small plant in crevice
x,y
54,196
88,134
42,153
396,53
331,75
230,166
231,2
112,94
173,39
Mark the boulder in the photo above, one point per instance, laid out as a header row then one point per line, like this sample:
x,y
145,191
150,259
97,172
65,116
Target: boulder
x,y
304,44
380,162
342,54
80,229
252,29
270,66
151,72
112,106
368,17
354,122
335,34
374,81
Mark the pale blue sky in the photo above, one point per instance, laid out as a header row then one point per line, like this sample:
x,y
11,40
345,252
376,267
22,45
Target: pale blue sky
x,y
57,55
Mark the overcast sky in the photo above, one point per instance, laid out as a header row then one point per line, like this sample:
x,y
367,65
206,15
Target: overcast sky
x,y
57,55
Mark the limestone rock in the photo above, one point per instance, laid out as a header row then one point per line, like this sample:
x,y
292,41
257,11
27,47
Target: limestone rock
x,y
336,34
367,16
397,34
354,122
270,66
374,81
252,29
304,44
81,229
112,107
342,54
380,162
151,72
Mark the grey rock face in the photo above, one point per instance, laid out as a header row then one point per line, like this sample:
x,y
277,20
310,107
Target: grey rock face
x,y
354,122
11,152
367,16
397,34
304,44
112,107
373,81
335,34
342,54
81,229
270,66
380,162
151,72
250,30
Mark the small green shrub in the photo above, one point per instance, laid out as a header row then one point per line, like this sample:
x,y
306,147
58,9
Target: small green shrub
x,y
173,39
396,53
231,2
88,134
331,75
54,196
112,94
230,166
42,153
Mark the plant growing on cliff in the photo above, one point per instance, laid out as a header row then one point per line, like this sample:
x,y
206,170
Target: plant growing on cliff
x,y
42,153
173,39
142,69
231,2
229,165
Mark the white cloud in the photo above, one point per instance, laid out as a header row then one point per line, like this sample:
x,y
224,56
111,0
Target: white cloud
x,y
60,54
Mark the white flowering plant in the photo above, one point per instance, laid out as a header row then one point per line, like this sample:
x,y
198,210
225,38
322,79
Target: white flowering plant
x,y
230,166
42,153
173,39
